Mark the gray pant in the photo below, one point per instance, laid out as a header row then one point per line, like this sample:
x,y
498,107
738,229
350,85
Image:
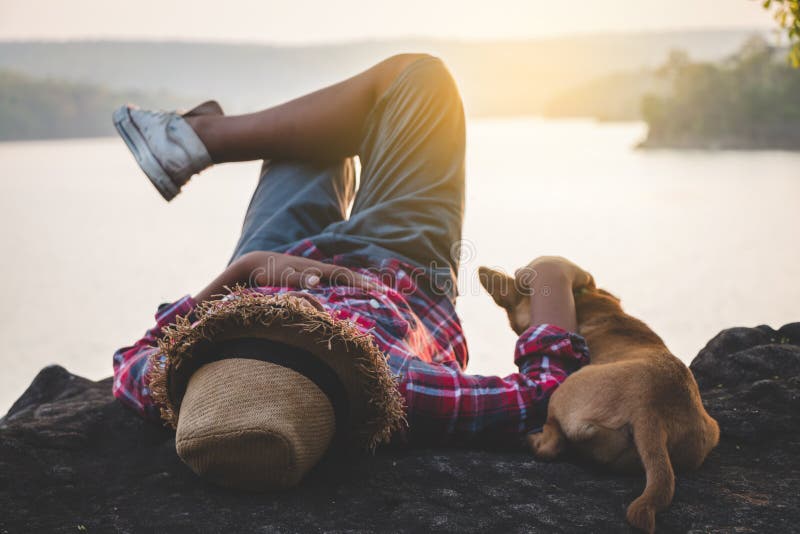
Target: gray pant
x,y
410,201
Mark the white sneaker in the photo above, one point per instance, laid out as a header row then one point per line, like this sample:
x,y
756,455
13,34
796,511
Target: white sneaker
x,y
164,145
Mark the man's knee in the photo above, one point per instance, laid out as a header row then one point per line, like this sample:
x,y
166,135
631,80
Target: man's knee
x,y
432,73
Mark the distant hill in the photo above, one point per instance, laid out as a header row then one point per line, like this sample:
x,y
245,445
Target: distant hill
x,y
614,97
497,77
544,76
49,109
749,101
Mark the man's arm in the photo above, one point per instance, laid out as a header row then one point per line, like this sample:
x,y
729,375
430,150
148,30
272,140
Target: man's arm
x,y
261,268
550,282
132,363
448,406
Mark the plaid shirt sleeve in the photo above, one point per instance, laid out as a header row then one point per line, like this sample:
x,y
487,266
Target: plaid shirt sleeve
x,y
447,406
132,364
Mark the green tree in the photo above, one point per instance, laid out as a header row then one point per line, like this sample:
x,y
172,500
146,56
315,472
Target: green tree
x,y
750,100
787,14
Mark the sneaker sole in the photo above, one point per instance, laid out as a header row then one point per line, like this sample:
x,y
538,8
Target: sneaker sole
x,y
143,155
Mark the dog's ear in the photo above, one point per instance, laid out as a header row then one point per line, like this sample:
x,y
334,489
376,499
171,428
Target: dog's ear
x,y
608,294
499,285
590,283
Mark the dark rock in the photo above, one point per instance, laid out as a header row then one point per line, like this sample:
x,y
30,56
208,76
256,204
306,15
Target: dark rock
x,y
72,460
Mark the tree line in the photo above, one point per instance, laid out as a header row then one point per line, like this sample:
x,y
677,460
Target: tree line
x,y
33,108
751,100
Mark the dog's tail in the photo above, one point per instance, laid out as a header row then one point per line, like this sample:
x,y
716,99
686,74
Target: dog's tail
x,y
651,443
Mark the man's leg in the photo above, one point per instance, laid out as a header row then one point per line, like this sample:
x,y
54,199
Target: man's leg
x,y
325,125
410,201
310,182
405,120
294,201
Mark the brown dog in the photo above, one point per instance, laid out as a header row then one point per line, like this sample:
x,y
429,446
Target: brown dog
x,y
635,406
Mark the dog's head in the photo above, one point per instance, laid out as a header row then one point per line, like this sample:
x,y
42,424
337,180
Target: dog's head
x,y
592,302
508,295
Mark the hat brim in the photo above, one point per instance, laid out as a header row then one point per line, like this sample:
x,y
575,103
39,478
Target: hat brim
x,y
375,404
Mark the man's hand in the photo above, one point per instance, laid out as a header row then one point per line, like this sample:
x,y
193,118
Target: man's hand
x,y
550,282
551,267
274,269
283,270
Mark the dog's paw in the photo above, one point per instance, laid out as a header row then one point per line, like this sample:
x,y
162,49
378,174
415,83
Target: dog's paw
x,y
544,445
535,443
642,515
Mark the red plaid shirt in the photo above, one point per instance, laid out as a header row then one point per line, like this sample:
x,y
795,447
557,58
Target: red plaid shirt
x,y
424,345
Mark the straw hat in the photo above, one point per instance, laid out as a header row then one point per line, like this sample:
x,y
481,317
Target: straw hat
x,y
259,387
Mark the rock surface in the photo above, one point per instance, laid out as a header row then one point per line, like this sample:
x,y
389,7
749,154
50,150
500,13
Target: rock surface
x,y
72,460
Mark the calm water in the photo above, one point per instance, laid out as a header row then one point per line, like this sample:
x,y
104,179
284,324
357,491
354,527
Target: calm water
x,y
693,242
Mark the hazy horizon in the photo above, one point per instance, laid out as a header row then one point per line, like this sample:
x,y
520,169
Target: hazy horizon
x,y
307,21
395,38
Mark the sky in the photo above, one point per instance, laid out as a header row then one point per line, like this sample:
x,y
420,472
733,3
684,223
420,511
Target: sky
x,y
314,21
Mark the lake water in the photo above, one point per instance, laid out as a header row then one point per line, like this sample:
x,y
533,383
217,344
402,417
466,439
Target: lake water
x,y
693,242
